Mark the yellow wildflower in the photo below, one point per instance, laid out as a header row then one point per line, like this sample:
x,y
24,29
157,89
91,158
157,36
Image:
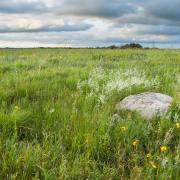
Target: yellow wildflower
x,y
177,125
163,148
123,128
135,143
17,108
148,155
153,165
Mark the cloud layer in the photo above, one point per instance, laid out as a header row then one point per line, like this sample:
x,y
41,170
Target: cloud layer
x,y
88,23
67,27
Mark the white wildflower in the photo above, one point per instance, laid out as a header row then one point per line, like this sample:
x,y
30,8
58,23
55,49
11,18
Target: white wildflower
x,y
103,83
164,162
168,136
102,98
52,110
176,116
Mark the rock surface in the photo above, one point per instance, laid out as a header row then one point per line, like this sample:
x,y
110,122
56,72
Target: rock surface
x,y
147,104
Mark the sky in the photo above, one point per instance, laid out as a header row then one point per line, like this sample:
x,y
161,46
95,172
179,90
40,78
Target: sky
x,y
89,23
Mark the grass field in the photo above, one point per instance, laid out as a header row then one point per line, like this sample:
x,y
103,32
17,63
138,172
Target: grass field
x,y
58,121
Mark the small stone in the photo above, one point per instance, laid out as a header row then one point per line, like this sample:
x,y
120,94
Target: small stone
x,y
147,104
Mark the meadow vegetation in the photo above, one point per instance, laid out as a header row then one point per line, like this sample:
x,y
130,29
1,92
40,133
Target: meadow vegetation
x,y
58,121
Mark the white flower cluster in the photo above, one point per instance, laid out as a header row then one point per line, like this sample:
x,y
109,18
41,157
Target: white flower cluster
x,y
103,83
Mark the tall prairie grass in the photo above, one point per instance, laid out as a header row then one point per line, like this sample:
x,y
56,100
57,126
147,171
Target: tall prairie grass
x,y
58,121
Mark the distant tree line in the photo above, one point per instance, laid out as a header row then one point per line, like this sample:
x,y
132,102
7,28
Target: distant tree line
x,y
127,46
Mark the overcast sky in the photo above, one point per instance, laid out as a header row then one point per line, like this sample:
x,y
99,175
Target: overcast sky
x,y
77,23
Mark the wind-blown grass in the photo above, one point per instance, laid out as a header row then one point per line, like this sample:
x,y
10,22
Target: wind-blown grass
x,y
58,121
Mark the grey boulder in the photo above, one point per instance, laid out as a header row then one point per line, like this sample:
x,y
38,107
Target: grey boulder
x,y
147,104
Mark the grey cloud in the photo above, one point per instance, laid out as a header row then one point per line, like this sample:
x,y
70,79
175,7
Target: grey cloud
x,y
20,6
97,8
160,9
144,19
155,17
160,30
67,27
164,9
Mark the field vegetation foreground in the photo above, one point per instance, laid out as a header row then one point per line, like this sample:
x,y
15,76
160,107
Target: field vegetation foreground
x,y
58,117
